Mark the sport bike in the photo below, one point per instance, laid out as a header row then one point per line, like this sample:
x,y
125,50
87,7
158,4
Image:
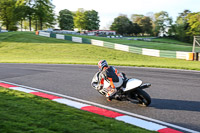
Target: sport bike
x,y
130,90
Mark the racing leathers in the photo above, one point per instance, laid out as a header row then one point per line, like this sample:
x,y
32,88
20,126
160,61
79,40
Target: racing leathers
x,y
108,81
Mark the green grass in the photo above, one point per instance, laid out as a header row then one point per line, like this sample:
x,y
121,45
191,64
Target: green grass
x,y
26,113
162,44
25,47
164,40
173,41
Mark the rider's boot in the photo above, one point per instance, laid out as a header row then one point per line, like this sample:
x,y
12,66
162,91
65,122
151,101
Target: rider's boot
x,y
109,98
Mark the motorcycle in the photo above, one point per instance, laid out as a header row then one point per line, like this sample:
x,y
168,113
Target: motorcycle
x,y
130,90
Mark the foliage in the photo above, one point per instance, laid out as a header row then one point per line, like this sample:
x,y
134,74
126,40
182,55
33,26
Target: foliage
x,y
187,26
194,23
13,11
162,23
140,24
7,14
134,29
21,11
65,20
30,11
86,20
121,25
182,26
135,17
91,20
145,23
79,19
44,13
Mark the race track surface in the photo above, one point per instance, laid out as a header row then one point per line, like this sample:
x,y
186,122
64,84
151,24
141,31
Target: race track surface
x,y
175,93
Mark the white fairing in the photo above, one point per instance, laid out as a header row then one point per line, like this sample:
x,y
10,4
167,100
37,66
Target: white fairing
x,y
106,84
132,83
116,84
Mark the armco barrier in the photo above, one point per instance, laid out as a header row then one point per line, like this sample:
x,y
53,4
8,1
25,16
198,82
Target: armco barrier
x,y
77,39
132,49
52,35
167,54
69,38
122,47
109,45
44,34
97,42
151,52
85,40
135,50
181,55
59,36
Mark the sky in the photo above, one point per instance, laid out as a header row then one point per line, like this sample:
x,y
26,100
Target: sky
x,y
110,9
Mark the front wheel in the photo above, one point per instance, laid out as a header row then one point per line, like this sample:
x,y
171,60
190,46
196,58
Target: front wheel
x,y
143,97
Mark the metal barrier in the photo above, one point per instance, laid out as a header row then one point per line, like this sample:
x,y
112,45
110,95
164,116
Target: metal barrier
x,y
144,51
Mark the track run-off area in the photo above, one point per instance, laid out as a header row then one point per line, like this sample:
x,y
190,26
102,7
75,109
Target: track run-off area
x,y
175,93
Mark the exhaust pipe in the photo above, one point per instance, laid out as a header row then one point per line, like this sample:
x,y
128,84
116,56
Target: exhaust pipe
x,y
144,86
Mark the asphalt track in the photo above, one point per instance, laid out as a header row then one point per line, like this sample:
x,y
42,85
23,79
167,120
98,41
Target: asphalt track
x,y
175,93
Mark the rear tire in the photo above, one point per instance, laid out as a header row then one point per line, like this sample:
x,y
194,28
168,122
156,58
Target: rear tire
x,y
143,98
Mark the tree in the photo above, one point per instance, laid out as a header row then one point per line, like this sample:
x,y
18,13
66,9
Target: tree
x,y
145,23
7,14
30,11
194,23
79,19
21,11
65,20
151,16
86,20
135,17
121,25
44,12
162,23
13,12
91,20
134,28
181,26
50,19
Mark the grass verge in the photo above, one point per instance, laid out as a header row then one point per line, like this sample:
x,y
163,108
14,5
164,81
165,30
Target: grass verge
x,y
21,112
25,47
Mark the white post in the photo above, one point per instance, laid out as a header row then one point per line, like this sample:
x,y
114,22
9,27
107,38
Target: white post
x,y
194,44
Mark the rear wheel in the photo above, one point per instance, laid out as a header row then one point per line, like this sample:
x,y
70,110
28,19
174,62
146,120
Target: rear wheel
x,y
143,97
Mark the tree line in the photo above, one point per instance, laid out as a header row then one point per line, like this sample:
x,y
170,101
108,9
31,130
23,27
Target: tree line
x,y
81,19
39,15
185,27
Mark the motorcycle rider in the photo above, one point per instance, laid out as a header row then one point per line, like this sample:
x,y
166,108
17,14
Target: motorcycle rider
x,y
110,75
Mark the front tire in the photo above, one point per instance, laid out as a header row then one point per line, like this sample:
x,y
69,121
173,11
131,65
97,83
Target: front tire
x,y
143,98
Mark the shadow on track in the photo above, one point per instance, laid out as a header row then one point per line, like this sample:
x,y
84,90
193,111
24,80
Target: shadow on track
x,y
171,104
